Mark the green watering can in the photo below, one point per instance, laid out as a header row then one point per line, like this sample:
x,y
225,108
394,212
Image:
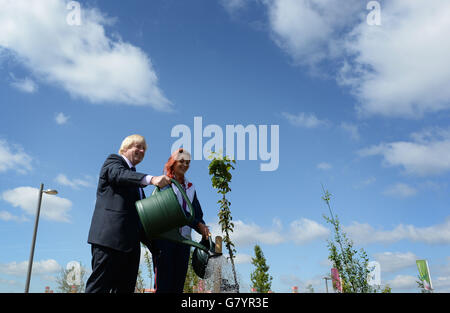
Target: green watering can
x,y
161,216
200,259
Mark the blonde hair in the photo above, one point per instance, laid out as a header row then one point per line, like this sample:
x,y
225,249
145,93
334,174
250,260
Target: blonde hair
x,y
130,140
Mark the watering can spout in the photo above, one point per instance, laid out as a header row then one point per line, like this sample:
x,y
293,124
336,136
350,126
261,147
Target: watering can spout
x,y
212,253
174,235
204,251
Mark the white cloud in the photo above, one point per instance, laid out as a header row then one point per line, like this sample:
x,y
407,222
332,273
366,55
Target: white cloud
x,y
10,282
304,231
403,282
43,267
250,234
351,129
382,78
233,5
300,231
394,261
83,60
12,157
324,166
427,154
7,216
291,280
247,234
304,120
74,183
308,30
370,60
363,233
441,283
53,207
365,182
26,85
242,258
61,118
400,190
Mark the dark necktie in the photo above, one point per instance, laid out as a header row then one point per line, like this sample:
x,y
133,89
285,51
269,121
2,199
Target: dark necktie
x,y
184,205
139,189
184,201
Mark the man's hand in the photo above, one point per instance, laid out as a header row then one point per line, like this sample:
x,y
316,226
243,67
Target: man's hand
x,y
204,230
160,181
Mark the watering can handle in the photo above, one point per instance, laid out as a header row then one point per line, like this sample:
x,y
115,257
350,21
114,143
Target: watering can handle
x,y
184,195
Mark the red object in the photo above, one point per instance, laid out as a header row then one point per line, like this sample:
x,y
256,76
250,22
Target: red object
x,y
336,280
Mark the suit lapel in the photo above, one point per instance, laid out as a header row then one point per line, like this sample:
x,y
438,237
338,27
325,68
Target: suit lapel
x,y
139,189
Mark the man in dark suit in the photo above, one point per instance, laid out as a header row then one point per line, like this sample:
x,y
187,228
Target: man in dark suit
x,y
116,231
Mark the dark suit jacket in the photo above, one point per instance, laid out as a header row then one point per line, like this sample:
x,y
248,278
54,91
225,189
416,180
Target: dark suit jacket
x,y
115,222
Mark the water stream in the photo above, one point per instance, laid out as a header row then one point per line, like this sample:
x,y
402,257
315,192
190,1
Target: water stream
x,y
220,277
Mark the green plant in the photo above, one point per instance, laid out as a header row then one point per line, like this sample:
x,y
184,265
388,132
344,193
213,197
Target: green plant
x,y
421,286
139,282
387,289
351,264
149,264
261,280
219,169
191,278
309,289
66,276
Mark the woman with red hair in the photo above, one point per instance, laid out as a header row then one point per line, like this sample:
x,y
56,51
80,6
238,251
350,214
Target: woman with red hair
x,y
170,259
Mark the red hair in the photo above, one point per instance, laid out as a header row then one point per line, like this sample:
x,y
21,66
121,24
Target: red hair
x,y
168,168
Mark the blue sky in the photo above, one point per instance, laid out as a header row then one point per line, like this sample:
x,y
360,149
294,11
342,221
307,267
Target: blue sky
x,y
362,109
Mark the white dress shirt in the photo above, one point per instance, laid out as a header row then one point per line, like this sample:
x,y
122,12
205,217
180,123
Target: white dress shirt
x,y
185,231
145,181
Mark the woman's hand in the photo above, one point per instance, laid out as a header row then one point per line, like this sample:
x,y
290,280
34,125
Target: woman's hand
x,y
204,230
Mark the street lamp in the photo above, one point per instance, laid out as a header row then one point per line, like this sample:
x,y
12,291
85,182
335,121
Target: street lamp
x,y
30,262
326,282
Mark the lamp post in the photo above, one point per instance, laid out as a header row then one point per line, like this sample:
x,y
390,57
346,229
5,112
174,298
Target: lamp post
x,y
30,261
326,282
